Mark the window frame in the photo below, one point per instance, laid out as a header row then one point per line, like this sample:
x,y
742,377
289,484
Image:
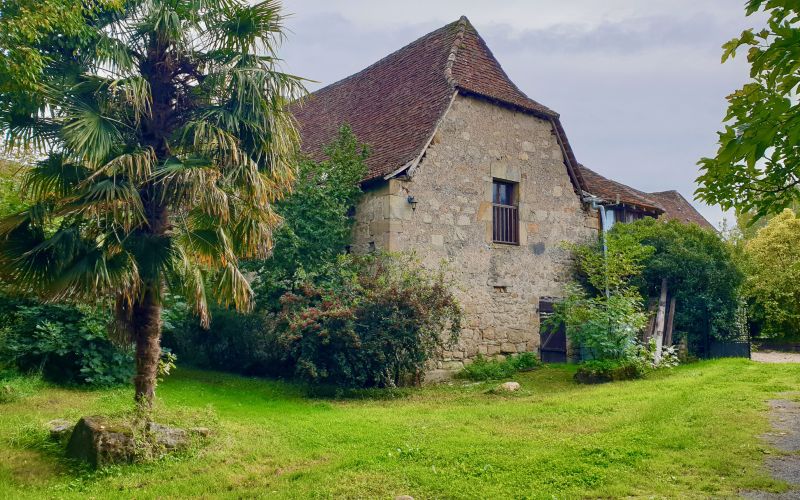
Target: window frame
x,y
505,217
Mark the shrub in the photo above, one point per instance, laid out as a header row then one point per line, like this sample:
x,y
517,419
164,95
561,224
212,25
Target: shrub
x,y
495,369
605,327
67,344
601,371
367,322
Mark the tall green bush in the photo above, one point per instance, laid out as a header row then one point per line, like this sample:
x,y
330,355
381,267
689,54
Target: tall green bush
x,y
67,344
317,225
701,273
602,311
372,321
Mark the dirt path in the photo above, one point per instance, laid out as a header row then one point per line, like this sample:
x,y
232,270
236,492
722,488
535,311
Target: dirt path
x,y
785,436
775,357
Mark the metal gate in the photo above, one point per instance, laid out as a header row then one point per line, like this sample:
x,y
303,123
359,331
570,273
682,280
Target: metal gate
x,y
552,341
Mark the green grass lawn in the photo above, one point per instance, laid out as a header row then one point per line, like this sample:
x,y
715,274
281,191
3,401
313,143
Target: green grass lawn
x,y
691,431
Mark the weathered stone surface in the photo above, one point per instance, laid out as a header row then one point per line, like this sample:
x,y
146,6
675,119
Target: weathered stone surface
x,y
95,442
200,431
99,443
509,386
498,286
59,428
170,438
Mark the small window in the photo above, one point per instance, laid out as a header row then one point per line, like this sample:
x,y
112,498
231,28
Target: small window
x,y
505,216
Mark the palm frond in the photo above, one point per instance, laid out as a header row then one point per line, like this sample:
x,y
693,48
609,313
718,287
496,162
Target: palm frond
x,y
133,91
234,289
136,164
113,199
190,281
89,134
53,177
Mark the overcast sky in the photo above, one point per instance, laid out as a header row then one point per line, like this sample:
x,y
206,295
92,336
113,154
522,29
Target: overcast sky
x,y
638,83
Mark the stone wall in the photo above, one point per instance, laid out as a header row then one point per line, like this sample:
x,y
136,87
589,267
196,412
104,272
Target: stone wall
x,y
499,285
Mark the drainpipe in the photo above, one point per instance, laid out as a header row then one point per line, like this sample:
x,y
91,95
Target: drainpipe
x,y
602,209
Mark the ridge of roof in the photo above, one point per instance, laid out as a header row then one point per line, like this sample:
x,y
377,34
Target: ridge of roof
x,y
396,103
493,82
451,58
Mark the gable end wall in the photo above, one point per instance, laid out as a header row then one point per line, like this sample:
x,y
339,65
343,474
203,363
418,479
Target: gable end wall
x,y
499,286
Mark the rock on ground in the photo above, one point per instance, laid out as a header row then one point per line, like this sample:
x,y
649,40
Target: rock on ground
x,y
93,441
170,438
509,386
98,443
59,428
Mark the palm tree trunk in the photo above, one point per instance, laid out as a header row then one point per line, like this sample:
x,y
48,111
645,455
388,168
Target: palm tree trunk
x,y
147,335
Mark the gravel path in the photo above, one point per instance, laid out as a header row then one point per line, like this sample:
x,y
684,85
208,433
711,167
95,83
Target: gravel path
x,y
776,357
785,436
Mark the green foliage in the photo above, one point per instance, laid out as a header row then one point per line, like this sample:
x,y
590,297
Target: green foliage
x,y
623,260
772,285
68,345
495,369
11,199
234,342
316,224
40,35
757,166
602,311
605,327
367,321
598,371
700,269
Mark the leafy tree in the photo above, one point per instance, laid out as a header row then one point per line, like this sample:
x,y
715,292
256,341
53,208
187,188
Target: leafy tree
x,y
317,223
700,270
757,166
35,34
773,277
166,146
11,199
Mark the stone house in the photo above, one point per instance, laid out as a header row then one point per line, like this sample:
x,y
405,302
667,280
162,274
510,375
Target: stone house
x,y
466,169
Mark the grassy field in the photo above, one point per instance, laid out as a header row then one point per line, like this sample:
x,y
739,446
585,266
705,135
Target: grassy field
x,y
689,432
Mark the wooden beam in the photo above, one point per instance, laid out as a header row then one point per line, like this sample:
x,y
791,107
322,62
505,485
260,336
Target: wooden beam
x,y
670,318
660,319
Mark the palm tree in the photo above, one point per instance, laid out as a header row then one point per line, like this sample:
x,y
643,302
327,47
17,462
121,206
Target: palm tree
x,y
167,140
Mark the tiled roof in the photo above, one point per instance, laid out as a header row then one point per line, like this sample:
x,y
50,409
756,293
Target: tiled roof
x,y
395,104
676,207
616,192
668,205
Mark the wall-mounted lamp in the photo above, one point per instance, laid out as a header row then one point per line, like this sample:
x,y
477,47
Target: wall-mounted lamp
x,y
413,202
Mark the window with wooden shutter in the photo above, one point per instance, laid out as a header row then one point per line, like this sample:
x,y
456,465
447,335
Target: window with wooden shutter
x,y
505,215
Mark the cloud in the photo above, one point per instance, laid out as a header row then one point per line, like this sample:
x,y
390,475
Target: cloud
x,y
639,85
